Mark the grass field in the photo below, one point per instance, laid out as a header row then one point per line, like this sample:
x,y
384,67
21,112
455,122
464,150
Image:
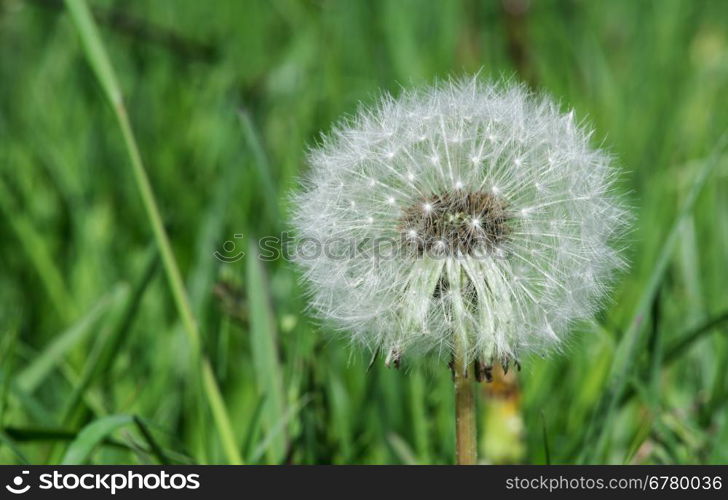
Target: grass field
x,y
104,359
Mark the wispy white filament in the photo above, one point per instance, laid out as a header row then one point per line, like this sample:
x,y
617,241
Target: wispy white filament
x,y
516,296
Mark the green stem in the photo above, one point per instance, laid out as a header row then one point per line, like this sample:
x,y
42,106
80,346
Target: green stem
x,y
465,430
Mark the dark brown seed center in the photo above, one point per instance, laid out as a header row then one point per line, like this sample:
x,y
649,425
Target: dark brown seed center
x,y
457,222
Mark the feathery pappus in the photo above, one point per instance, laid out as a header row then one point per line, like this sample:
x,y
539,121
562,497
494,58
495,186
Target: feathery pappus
x,y
464,212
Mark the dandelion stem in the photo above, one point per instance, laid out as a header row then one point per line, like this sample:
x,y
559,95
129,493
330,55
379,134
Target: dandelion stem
x,y
465,432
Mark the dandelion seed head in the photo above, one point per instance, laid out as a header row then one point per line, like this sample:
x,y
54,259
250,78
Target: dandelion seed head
x,y
503,223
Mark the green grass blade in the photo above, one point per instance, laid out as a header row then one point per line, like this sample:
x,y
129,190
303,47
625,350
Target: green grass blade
x,y
253,426
101,66
153,446
678,348
42,434
55,435
262,165
264,344
684,342
92,435
8,341
13,447
402,449
420,418
94,48
544,431
627,350
31,377
278,428
109,342
37,249
219,414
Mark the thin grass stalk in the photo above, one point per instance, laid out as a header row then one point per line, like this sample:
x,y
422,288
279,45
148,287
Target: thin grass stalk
x,y
101,65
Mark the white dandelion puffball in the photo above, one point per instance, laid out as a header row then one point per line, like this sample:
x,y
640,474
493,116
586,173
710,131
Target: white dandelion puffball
x,y
466,214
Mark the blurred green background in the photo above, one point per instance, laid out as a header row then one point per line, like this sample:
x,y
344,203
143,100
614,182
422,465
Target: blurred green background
x,y
224,98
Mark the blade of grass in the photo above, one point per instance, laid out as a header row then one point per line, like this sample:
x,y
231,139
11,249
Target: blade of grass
x,y
107,344
219,413
278,428
7,366
102,68
35,410
90,436
420,420
153,446
13,447
262,165
263,341
32,434
252,427
686,341
210,234
546,449
626,355
340,428
32,376
655,349
37,249
402,449
55,435
678,347
109,341
641,435
718,391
